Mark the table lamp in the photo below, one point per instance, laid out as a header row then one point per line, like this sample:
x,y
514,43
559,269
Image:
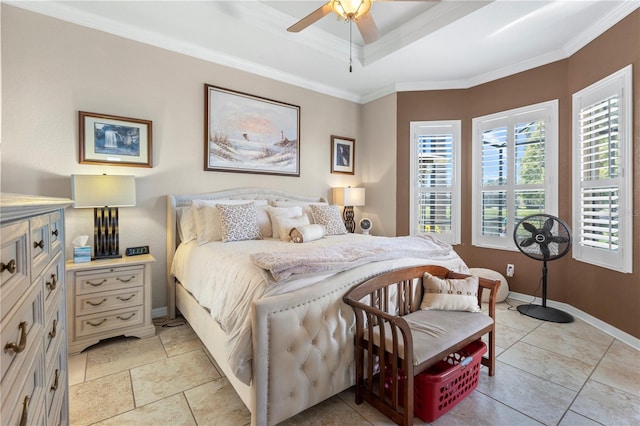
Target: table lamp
x,y
349,198
105,193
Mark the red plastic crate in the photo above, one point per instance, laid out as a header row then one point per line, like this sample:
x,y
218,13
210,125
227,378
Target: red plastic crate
x,y
443,385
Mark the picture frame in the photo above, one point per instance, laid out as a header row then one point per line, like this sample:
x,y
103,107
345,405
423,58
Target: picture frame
x,y
343,155
115,140
244,133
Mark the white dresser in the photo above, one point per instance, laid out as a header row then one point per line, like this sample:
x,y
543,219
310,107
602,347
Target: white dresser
x,y
34,385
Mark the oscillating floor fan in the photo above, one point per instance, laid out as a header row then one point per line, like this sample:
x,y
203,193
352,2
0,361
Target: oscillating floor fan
x,y
543,237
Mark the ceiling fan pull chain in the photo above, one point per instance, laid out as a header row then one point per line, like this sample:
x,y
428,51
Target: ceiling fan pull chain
x,y
350,44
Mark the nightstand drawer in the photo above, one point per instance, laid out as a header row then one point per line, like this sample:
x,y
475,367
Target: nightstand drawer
x,y
108,279
108,301
111,321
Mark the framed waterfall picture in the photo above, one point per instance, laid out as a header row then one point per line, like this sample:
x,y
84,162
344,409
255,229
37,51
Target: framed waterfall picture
x,y
250,134
113,140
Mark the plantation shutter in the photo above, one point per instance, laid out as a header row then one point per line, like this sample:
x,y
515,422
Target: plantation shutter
x,y
435,192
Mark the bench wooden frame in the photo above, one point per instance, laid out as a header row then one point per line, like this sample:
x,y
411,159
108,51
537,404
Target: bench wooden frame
x,y
400,291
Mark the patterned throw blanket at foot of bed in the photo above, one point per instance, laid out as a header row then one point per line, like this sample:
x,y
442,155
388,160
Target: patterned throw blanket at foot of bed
x,y
281,266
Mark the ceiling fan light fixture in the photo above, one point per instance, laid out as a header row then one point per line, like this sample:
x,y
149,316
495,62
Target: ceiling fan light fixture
x,y
350,10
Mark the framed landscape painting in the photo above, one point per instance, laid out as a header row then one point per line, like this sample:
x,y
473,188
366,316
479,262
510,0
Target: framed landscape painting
x,y
114,140
250,134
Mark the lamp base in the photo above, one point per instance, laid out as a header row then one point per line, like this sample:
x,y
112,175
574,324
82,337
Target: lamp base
x,y
106,238
347,214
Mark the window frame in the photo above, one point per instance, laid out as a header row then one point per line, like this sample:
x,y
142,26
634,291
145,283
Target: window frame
x,y
548,111
453,237
619,83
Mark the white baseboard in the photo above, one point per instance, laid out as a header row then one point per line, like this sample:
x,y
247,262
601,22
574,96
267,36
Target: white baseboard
x,y
159,312
599,324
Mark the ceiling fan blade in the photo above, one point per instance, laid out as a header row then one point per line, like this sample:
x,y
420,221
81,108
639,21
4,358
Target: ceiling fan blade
x,y
311,18
368,28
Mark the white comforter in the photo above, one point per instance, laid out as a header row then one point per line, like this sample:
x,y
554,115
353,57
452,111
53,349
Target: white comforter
x,y
223,279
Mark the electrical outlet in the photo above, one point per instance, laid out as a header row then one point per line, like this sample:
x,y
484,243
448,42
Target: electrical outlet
x,y
511,269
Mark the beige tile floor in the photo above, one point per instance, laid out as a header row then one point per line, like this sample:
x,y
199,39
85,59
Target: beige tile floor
x,y
547,373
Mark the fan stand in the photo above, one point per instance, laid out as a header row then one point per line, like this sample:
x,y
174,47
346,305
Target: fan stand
x,y
544,312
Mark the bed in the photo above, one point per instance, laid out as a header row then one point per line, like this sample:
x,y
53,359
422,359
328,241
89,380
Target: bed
x,y
289,344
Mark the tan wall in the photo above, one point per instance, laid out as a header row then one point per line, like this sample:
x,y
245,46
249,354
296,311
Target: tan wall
x,y
52,69
607,295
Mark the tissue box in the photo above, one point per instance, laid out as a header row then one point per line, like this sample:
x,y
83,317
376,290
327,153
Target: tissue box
x,y
82,254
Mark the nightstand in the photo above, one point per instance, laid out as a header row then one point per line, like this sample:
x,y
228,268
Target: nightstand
x,y
108,298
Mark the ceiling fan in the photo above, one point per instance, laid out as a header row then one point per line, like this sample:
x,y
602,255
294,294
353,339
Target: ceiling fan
x,y
348,11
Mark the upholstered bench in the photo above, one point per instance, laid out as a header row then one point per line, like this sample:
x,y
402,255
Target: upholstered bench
x,y
393,331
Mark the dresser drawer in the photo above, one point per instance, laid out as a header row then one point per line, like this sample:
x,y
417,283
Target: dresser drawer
x,y
22,330
57,232
25,395
109,321
39,245
99,280
15,267
108,301
56,385
54,333
53,278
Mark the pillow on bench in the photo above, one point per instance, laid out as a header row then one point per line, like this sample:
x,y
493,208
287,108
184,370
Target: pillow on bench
x,y
448,294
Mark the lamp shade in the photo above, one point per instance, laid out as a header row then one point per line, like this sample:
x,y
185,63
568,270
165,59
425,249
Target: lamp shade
x,y
348,196
103,191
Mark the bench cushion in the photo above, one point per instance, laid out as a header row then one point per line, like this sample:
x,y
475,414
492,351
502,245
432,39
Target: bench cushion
x,y
435,331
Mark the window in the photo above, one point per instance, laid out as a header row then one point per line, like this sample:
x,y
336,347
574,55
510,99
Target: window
x,y
435,179
515,168
602,177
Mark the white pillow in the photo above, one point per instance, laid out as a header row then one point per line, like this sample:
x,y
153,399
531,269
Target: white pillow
x,y
287,224
275,213
329,216
447,294
239,222
207,219
306,207
186,223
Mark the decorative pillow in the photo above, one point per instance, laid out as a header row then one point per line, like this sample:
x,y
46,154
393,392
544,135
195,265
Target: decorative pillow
x,y
207,219
306,207
287,224
450,294
306,233
329,216
239,222
275,213
186,224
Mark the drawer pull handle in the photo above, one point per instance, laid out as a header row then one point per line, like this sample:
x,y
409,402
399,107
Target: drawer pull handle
x,y
17,348
127,318
54,232
125,299
51,285
95,325
11,266
97,284
54,387
96,304
125,280
39,244
53,332
25,411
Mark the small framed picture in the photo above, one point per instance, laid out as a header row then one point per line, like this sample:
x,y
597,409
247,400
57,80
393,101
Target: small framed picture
x,y
343,155
113,140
